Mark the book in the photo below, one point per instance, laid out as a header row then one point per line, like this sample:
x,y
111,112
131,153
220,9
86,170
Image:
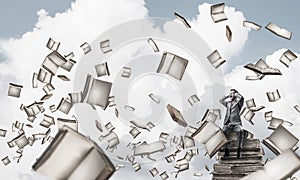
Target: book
x,y
53,61
228,33
252,25
176,115
287,57
262,67
217,12
14,90
279,31
102,69
71,155
273,96
211,136
182,19
172,65
280,140
96,92
86,48
215,59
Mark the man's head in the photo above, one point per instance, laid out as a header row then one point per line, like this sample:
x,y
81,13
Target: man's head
x,y
232,94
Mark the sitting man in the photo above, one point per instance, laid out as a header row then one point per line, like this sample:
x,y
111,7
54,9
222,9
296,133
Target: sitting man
x,y
232,122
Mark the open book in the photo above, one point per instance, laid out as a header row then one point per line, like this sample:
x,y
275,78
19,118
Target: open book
x,y
96,92
53,61
280,140
262,67
73,156
211,136
173,65
287,57
279,31
273,96
215,59
211,115
217,12
252,106
281,167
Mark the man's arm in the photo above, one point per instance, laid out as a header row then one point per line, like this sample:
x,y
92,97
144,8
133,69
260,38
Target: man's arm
x,y
222,101
240,99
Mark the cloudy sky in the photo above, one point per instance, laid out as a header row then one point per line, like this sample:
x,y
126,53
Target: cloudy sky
x,y
27,25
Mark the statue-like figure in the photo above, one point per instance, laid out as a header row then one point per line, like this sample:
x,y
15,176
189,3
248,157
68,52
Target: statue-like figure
x,y
232,122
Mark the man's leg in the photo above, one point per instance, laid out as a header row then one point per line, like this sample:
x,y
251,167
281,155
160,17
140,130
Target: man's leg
x,y
226,130
239,133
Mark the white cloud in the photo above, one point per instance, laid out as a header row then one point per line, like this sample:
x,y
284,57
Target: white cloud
x,y
83,22
215,34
